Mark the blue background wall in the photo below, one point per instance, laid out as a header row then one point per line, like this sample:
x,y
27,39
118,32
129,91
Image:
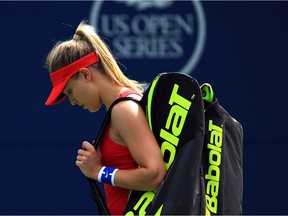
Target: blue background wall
x,y
245,59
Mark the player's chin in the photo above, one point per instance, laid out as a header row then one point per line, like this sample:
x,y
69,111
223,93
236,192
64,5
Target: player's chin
x,y
93,109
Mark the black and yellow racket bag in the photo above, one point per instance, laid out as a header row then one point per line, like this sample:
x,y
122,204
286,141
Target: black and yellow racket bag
x,y
175,112
222,158
201,145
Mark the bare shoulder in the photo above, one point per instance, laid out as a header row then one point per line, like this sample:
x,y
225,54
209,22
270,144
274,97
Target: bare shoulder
x,y
126,109
128,116
128,123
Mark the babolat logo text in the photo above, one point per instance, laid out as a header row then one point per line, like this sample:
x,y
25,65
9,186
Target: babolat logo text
x,y
213,174
166,34
174,125
169,132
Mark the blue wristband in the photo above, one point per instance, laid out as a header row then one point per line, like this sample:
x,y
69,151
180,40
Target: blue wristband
x,y
107,175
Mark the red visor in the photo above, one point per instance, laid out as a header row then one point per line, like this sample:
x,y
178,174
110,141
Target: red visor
x,y
60,77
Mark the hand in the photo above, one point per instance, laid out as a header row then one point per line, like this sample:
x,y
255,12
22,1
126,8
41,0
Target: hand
x,y
89,160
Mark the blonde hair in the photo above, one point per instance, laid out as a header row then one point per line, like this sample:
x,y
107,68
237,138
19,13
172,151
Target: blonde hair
x,y
85,41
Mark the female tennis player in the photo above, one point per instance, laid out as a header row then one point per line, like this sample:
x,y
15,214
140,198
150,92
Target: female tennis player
x,y
128,157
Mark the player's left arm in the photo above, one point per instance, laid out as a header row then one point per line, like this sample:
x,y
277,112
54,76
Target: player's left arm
x,y
130,122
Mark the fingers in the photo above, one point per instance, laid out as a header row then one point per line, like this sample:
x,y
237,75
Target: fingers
x,y
78,163
81,152
88,146
87,153
80,157
88,160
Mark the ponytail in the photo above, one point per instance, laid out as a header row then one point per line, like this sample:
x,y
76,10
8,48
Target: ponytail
x,y
86,40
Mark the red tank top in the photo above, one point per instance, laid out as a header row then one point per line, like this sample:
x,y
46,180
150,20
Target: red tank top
x,y
116,156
